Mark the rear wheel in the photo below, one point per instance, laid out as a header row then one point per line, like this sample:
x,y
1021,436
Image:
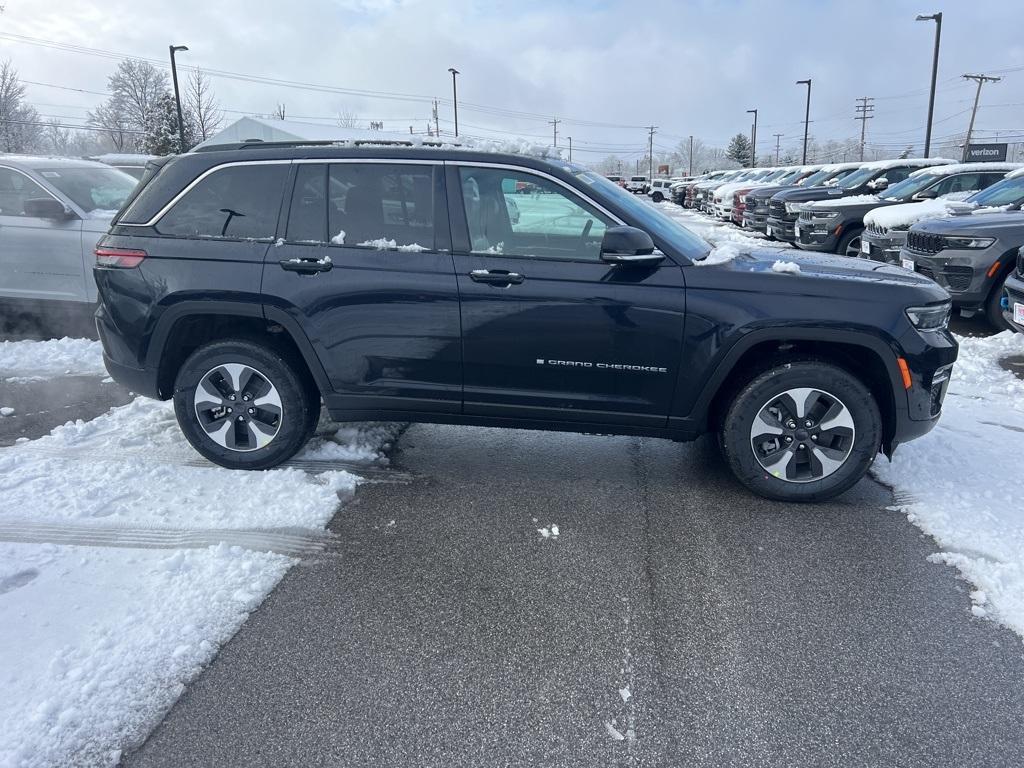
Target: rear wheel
x,y
657,197
802,431
993,306
244,405
849,244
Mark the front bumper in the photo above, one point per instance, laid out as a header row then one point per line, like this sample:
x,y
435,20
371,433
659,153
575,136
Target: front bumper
x,y
817,234
964,273
884,248
755,220
930,357
1014,287
781,228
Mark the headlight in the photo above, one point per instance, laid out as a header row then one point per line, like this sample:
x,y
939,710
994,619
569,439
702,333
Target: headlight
x,y
931,318
969,242
823,214
794,207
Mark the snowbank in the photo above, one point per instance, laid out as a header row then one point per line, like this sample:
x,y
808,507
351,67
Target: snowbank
x,y
96,642
78,357
957,483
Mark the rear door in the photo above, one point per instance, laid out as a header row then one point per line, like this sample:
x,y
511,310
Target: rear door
x,y
39,258
364,267
549,331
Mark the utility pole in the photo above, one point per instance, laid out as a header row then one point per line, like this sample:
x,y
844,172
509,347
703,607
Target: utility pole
x,y
650,150
177,96
982,79
864,110
807,114
778,139
437,121
570,148
554,131
455,99
691,156
937,18
753,139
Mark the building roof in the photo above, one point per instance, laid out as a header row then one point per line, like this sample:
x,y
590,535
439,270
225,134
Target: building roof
x,y
269,130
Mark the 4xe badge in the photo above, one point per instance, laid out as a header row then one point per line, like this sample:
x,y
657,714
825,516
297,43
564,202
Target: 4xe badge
x,y
601,366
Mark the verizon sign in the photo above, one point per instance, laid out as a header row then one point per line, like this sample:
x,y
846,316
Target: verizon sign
x,y
986,153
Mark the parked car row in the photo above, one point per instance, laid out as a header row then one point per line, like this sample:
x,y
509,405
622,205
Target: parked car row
x,y
957,223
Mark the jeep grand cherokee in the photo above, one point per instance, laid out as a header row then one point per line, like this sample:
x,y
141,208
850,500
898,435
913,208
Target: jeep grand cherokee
x,y
250,282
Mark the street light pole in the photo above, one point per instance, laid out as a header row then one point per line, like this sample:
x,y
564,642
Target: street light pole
x,y
807,115
570,149
177,95
937,18
455,99
753,139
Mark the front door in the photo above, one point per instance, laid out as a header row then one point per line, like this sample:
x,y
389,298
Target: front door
x,y
365,270
39,258
549,331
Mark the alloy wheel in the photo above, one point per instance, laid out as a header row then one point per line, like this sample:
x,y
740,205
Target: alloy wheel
x,y
853,248
802,435
238,407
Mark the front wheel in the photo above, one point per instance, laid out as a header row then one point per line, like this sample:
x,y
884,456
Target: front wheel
x,y
802,431
657,197
993,306
244,405
849,244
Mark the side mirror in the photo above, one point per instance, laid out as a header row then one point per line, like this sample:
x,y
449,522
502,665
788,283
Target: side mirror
x,y
48,208
879,184
628,245
926,194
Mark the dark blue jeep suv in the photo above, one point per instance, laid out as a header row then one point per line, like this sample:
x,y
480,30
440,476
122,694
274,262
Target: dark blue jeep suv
x,y
250,282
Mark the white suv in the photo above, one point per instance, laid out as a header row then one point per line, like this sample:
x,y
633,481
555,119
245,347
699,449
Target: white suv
x,y
660,189
637,184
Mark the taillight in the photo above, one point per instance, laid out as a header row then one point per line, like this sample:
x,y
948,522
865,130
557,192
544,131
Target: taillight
x,y
118,258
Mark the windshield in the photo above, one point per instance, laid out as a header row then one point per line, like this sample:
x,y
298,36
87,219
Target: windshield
x,y
910,186
776,175
648,217
93,190
815,178
789,178
854,180
1005,192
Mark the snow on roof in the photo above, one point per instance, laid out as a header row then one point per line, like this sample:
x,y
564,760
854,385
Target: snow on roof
x,y
905,162
114,158
945,170
1015,174
840,166
47,161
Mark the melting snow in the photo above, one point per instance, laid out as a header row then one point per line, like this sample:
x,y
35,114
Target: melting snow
x,y
78,357
790,267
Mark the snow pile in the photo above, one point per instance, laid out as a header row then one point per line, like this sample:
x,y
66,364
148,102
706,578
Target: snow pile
x,y
76,357
841,202
6,411
97,642
786,267
720,254
339,239
366,442
957,483
906,214
383,244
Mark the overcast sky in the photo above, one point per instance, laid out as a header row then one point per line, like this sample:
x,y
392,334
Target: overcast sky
x,y
687,67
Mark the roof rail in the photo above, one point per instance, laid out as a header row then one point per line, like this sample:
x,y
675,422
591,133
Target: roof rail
x,y
260,144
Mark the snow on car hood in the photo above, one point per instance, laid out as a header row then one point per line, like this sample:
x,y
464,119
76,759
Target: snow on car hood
x,y
903,215
842,202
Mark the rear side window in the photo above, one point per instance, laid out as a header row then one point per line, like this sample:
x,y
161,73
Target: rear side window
x,y
383,206
235,202
15,190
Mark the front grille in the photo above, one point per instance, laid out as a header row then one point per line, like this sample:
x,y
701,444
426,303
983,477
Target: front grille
x,y
924,242
1020,263
874,229
959,278
758,204
777,208
921,269
805,216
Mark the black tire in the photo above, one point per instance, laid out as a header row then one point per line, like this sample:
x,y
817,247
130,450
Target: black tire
x,y
849,243
299,399
657,197
838,384
993,310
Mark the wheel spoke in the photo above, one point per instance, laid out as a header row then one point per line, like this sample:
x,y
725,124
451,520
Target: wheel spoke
x,y
227,417
836,416
828,463
779,467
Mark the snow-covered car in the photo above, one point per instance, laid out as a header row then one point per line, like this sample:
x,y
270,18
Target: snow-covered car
x,y
638,185
722,196
660,189
132,164
956,190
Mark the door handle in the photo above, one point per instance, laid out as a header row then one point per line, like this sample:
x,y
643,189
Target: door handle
x,y
496,277
306,265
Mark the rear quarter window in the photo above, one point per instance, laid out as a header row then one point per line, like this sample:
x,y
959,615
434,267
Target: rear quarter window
x,y
233,202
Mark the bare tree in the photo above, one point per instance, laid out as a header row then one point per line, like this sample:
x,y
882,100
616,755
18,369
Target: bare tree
x,y
278,112
20,126
115,124
347,118
137,87
203,108
57,137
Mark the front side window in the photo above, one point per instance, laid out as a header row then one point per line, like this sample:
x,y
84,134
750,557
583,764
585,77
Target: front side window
x,y
854,180
94,190
15,189
1005,192
909,186
545,221
960,182
234,202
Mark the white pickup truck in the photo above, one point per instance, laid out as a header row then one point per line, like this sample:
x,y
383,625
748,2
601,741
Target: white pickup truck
x,y
638,185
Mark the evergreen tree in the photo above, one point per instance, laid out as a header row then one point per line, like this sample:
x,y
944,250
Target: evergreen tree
x,y
162,134
739,149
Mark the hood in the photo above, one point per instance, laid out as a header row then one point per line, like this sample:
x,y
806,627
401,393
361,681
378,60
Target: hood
x,y
903,215
989,223
856,204
802,195
768,191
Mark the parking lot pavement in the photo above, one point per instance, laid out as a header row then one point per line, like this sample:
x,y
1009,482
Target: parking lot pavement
x,y
40,404
673,620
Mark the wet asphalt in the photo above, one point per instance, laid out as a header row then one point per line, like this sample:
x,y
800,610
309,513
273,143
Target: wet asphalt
x,y
40,404
446,630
